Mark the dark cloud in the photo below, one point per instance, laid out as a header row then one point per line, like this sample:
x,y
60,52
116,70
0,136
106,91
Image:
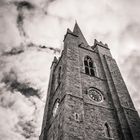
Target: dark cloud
x,y
21,6
43,47
28,128
20,23
11,80
21,49
14,51
56,50
24,4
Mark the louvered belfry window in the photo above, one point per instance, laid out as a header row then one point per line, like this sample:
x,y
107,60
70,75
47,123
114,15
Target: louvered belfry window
x,y
90,67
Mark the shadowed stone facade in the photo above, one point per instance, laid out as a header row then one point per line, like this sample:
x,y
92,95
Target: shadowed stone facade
x,y
87,98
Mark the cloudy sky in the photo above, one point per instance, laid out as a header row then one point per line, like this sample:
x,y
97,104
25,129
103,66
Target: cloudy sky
x,y
31,34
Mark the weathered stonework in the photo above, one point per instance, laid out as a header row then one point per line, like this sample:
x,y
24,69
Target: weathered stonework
x,y
78,116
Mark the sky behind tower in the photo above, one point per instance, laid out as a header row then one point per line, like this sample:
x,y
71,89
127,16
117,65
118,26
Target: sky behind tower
x,y
31,34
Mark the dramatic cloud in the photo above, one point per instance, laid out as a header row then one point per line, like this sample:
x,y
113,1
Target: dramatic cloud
x,y
14,51
12,83
21,6
32,32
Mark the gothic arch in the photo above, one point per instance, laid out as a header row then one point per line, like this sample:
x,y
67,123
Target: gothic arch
x,y
90,66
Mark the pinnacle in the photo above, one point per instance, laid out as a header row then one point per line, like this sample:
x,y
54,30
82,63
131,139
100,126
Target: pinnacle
x,y
69,31
55,59
77,31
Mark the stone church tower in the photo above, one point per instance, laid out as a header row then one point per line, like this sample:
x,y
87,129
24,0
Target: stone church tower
x,y
87,98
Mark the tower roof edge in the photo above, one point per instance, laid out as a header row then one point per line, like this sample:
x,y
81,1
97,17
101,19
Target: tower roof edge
x,y
77,31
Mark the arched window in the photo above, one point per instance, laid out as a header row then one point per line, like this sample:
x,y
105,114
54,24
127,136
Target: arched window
x,y
59,75
55,107
107,130
90,66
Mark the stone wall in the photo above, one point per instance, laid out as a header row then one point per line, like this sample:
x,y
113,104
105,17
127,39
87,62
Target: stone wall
x,y
79,117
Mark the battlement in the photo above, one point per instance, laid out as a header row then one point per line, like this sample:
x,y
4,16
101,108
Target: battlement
x,y
99,43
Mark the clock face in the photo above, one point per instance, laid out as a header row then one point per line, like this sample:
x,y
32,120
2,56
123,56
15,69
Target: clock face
x,y
95,95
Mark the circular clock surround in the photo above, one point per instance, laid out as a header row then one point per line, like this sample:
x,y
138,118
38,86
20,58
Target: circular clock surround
x,y
95,95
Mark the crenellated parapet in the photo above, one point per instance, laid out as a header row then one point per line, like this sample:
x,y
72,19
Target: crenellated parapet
x,y
96,42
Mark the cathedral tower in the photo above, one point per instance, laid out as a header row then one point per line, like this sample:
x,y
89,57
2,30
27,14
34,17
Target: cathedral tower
x,y
87,98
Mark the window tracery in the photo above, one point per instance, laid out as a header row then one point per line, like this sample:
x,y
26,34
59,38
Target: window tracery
x,y
90,66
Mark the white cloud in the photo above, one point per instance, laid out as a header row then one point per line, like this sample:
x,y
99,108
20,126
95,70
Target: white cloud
x,y
114,22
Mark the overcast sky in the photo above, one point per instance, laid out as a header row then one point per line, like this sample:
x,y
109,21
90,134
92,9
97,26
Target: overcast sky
x,y
31,34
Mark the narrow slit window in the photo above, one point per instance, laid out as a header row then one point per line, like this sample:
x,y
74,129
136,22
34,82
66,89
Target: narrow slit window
x,y
76,116
59,75
107,130
55,107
